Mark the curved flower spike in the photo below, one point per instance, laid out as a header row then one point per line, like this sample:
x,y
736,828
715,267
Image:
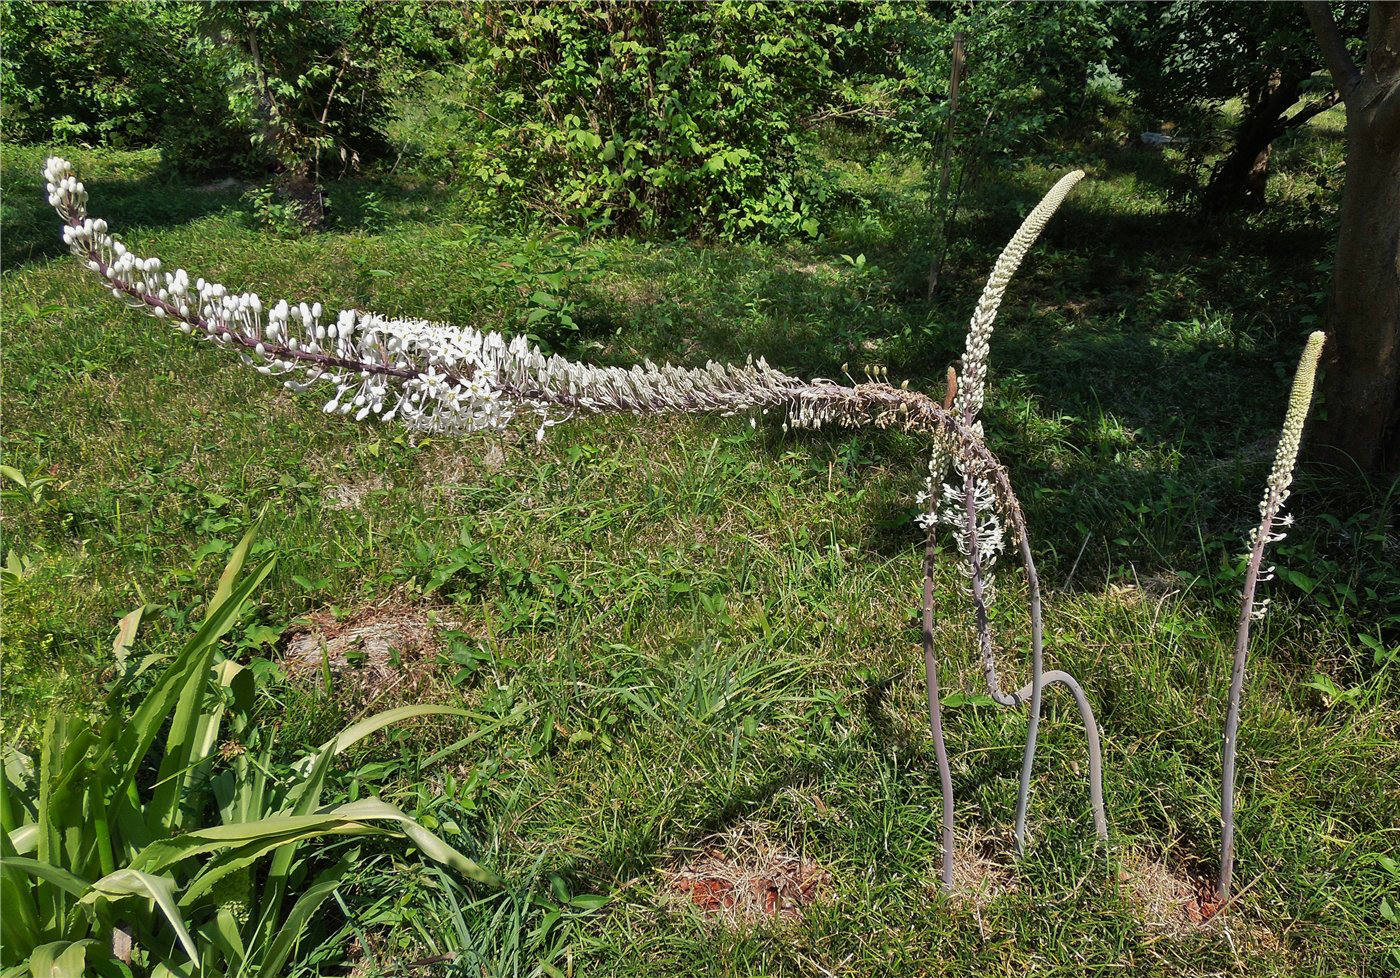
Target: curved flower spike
x,y
447,379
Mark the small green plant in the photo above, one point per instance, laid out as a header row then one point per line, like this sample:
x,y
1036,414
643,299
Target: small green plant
x,y
274,212
30,488
203,857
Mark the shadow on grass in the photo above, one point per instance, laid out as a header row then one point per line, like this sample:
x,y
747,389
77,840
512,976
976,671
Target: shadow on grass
x,y
33,232
1139,368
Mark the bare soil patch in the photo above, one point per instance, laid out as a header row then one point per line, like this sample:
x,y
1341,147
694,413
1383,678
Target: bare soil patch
x,y
742,877
385,650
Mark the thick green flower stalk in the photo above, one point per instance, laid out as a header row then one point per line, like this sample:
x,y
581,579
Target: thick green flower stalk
x,y
1270,530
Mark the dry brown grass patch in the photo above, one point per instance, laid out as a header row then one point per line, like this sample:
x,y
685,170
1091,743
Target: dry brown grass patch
x,y
1174,901
742,877
1169,899
983,867
387,650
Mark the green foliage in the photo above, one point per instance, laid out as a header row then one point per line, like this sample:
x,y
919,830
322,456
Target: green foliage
x,y
651,118
122,74
109,854
1188,54
1028,71
1181,62
273,213
217,86
311,82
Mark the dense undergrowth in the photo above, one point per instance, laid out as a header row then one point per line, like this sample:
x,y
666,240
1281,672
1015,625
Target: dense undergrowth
x,y
688,628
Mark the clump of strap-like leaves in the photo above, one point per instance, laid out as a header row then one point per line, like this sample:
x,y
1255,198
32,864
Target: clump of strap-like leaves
x,y
447,379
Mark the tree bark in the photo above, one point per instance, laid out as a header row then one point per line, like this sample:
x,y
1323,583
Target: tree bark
x,y
940,203
1239,181
1360,423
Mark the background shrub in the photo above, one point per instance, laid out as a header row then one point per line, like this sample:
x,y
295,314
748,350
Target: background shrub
x,y
117,74
652,118
245,87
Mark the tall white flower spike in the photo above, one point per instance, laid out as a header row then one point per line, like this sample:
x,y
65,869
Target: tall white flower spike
x,y
969,508
972,380
1269,530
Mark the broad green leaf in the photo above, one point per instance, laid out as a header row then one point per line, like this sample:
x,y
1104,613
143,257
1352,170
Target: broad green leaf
x,y
221,932
275,831
138,733
427,842
181,743
47,872
284,830
19,923
126,634
61,959
24,839
130,882
275,887
239,858
232,569
294,925
357,732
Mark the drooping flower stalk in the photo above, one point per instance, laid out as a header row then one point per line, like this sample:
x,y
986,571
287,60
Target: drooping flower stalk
x,y
445,379
1272,526
967,509
1033,691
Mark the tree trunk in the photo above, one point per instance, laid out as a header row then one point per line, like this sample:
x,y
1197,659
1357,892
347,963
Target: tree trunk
x,y
1361,388
1239,181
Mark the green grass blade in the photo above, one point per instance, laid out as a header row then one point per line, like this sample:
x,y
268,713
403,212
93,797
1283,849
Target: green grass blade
x,y
292,928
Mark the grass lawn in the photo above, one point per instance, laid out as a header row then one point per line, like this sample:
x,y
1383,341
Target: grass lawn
x,y
689,641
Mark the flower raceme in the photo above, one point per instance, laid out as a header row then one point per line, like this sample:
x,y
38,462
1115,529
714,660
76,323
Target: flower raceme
x,y
972,384
432,376
1270,530
972,381
445,379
